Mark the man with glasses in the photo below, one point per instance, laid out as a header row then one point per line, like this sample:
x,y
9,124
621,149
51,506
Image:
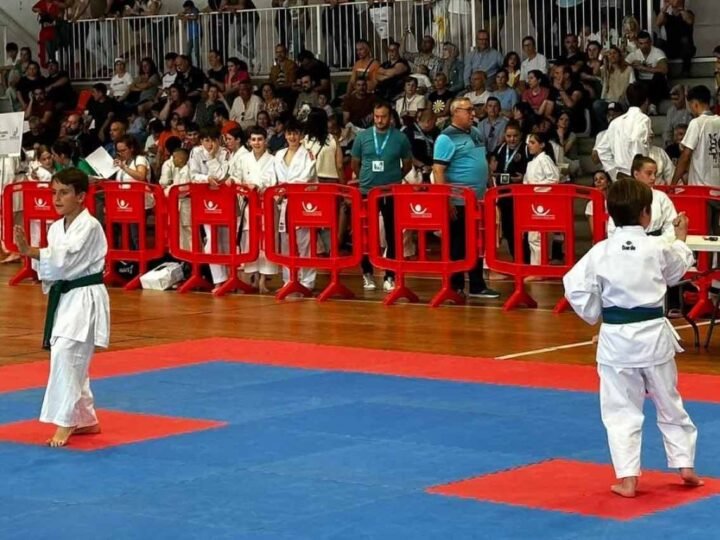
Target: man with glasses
x,y
533,59
459,159
492,128
483,58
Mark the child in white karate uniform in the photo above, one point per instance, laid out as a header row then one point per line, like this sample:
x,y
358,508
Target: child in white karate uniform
x,y
255,169
78,316
624,280
174,172
209,164
295,165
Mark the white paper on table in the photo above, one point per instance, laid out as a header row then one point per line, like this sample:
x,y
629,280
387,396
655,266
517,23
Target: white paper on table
x,y
26,126
102,163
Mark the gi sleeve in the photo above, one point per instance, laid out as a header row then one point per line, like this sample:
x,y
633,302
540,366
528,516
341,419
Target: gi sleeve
x,y
583,291
70,255
676,260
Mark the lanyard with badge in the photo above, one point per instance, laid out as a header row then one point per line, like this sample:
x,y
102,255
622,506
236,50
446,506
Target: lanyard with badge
x,y
379,165
509,157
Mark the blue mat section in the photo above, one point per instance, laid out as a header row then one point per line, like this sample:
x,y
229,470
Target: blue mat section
x,y
323,455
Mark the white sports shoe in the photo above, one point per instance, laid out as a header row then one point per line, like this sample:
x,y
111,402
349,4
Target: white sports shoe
x,y
369,282
389,284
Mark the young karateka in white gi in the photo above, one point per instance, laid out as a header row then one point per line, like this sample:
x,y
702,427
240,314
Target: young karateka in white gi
x,y
78,316
663,213
624,280
255,169
209,164
541,169
295,165
175,172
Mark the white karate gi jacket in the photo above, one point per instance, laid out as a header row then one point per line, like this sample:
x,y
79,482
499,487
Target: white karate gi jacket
x,y
301,170
662,213
259,173
541,170
202,166
628,135
629,270
80,251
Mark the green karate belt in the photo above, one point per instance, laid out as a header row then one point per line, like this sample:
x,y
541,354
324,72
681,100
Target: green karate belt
x,y
56,291
618,315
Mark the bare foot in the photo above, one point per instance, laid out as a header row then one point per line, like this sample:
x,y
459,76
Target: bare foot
x,y
690,477
62,434
626,487
10,258
87,430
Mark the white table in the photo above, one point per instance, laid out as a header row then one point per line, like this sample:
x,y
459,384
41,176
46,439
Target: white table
x,y
700,243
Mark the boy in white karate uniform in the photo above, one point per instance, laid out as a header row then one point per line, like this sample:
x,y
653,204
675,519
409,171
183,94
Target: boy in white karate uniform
x,y
78,316
624,279
209,164
255,169
295,165
174,172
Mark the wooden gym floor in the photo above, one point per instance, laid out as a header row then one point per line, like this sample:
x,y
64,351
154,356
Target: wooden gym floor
x,y
482,329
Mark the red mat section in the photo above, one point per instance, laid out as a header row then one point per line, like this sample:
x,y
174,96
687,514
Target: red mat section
x,y
118,428
381,362
578,488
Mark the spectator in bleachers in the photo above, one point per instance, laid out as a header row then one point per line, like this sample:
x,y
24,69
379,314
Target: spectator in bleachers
x,y
58,87
222,120
630,30
117,131
422,134
272,104
534,61
283,74
677,113
650,65
217,70
439,99
264,121
410,103
168,78
570,95
511,65
700,155
425,56
176,103
572,55
565,136
478,93
678,22
102,110
30,81
628,135
120,82
237,72
36,136
507,96
674,148
365,67
306,99
524,115
319,72
492,128
190,15
617,75
538,94
453,67
11,64
341,23
357,106
43,109
277,140
591,74
391,74
291,23
205,110
246,106
144,89
482,58
191,78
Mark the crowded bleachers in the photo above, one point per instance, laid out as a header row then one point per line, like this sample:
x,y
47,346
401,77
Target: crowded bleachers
x,y
204,93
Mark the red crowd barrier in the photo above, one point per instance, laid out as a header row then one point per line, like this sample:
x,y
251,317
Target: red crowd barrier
x,y
424,208
38,212
218,211
313,207
120,206
696,202
543,209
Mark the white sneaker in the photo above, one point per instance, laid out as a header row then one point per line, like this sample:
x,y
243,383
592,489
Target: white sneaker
x,y
389,284
369,282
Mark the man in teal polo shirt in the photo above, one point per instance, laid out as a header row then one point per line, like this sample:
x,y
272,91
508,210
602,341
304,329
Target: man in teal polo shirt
x,y
381,155
459,159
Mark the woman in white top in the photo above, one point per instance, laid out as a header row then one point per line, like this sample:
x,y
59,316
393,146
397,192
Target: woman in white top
x,y
540,170
121,81
295,165
411,102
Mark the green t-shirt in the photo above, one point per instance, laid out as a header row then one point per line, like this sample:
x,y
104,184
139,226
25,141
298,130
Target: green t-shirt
x,y
381,163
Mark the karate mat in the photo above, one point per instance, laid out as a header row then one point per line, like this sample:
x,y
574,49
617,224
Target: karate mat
x,y
230,438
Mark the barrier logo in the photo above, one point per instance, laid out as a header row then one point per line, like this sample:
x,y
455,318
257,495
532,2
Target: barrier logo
x,y
310,209
41,204
419,211
211,207
123,205
540,212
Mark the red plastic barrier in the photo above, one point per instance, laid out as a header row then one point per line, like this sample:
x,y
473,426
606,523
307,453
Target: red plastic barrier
x,y
126,220
424,208
215,209
314,207
543,209
38,210
695,202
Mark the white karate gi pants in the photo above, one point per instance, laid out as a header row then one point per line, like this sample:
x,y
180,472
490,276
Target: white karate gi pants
x,y
68,399
307,275
218,271
622,395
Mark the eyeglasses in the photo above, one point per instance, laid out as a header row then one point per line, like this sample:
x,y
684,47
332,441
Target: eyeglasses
x,y
468,109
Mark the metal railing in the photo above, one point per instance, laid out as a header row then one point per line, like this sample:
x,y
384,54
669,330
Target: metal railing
x,y
331,31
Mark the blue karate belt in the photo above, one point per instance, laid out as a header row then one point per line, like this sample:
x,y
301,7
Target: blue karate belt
x,y
618,315
56,291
